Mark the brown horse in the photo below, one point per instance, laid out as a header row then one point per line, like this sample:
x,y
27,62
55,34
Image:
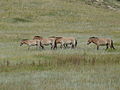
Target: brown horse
x,y
56,37
30,43
101,42
64,41
45,41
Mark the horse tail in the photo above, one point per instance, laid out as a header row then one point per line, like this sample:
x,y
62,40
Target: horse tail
x,y
112,46
75,42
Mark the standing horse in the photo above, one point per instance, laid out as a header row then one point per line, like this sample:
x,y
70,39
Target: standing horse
x,y
56,37
45,41
29,43
64,41
101,42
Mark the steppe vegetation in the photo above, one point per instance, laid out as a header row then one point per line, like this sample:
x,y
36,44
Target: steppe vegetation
x,y
82,68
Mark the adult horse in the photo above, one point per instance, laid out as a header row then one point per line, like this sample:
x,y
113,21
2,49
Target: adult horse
x,y
101,42
64,41
56,38
30,43
45,41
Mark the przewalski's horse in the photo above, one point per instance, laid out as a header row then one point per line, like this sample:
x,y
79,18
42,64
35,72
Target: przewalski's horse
x,y
64,41
101,42
30,43
56,37
45,41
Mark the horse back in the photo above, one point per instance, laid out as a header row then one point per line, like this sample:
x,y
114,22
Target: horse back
x,y
104,40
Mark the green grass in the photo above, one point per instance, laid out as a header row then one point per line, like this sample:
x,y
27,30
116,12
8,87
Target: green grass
x,y
82,68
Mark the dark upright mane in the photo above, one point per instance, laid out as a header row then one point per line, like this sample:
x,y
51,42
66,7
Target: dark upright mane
x,y
52,37
93,37
38,36
55,37
59,37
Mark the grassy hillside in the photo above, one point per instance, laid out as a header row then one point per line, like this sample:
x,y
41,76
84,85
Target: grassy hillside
x,y
68,69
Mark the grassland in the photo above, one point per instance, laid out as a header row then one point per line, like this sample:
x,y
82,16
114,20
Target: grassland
x,y
83,68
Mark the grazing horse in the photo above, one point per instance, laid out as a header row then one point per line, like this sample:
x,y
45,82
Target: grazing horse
x,y
30,43
64,41
45,41
101,42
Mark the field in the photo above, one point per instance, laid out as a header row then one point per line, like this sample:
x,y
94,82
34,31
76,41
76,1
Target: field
x,y
82,68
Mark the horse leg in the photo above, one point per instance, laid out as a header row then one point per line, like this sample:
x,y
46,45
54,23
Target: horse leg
x,y
42,46
61,46
112,47
65,46
97,47
28,47
72,46
37,47
51,46
55,46
106,46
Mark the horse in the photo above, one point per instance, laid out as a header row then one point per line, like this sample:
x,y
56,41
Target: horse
x,y
56,37
30,43
65,41
45,41
101,42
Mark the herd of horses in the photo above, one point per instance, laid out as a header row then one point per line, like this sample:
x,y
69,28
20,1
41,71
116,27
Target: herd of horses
x,y
64,42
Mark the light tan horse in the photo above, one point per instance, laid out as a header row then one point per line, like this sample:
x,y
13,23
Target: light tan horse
x,y
45,41
64,41
101,42
56,37
30,43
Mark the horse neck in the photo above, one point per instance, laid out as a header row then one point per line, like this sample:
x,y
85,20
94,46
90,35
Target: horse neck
x,y
94,41
26,42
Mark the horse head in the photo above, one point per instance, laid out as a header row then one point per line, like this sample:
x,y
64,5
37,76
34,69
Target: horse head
x,y
23,41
